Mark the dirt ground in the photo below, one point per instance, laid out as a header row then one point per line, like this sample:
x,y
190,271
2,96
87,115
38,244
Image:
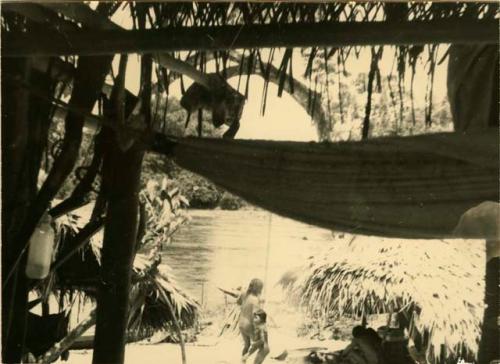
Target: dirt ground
x,y
214,351
288,331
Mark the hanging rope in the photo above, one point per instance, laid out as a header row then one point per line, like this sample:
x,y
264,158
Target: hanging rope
x,y
268,248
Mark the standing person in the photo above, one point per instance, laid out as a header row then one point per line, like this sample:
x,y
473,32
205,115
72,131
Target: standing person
x,y
259,339
250,302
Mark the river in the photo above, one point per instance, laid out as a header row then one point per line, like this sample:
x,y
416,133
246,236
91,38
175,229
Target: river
x,y
226,249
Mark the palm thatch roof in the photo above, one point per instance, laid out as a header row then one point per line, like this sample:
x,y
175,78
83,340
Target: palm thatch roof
x,y
268,35
154,288
438,284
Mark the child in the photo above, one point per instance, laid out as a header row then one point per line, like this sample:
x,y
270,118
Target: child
x,y
249,304
259,340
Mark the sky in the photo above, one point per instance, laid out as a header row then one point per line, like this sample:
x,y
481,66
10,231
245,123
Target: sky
x,y
284,118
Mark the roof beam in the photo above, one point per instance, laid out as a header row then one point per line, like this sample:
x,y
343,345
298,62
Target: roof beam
x,y
111,41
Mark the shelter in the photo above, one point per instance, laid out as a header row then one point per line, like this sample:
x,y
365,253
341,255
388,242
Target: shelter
x,y
49,49
437,285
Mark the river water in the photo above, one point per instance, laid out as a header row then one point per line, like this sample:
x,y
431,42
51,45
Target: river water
x,y
226,249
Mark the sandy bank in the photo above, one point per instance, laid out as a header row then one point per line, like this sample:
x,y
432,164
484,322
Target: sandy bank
x,y
211,350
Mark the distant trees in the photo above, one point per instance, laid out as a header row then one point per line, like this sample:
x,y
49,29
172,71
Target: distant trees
x,y
343,98
395,109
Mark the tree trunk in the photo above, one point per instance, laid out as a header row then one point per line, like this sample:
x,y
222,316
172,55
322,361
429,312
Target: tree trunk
x,y
15,107
122,175
25,125
25,136
376,55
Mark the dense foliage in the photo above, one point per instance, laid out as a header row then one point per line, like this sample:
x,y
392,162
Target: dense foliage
x,y
199,192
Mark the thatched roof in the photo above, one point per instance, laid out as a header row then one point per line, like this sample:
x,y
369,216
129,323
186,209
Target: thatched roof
x,y
438,283
153,284
326,33
152,289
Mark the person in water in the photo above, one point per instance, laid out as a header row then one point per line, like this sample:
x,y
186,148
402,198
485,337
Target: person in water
x,y
250,303
259,339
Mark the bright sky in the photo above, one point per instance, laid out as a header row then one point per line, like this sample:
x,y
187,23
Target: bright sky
x,y
284,118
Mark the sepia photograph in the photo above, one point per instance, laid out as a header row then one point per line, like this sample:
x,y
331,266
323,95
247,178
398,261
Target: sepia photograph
x,y
296,182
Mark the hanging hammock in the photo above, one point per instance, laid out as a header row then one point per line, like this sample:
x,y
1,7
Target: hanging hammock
x,y
414,187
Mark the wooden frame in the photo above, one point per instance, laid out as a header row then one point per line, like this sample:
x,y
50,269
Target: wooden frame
x,y
112,41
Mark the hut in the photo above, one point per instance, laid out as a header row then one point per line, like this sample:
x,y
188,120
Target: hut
x,y
402,187
436,285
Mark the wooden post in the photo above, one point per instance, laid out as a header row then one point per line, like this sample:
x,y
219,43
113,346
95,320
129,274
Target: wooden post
x,y
122,160
488,345
122,175
483,220
121,181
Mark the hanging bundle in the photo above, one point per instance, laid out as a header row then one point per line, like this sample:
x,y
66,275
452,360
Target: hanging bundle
x,y
41,246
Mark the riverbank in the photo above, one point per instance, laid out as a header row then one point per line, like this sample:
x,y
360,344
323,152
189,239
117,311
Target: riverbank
x,y
212,350
289,330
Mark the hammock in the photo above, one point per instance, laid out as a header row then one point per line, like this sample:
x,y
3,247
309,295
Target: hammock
x,y
414,187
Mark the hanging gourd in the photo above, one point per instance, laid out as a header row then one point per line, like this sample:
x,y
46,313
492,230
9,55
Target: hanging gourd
x,y
40,250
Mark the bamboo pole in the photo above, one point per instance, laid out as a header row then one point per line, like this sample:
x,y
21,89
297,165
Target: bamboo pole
x,y
324,34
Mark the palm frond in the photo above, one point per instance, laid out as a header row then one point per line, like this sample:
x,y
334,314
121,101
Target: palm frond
x,y
152,281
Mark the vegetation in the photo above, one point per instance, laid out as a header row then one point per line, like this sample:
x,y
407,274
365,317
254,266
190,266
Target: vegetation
x,y
156,300
386,104
201,193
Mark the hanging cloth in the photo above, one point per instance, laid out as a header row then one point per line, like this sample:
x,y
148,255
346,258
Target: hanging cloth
x,y
413,187
472,84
